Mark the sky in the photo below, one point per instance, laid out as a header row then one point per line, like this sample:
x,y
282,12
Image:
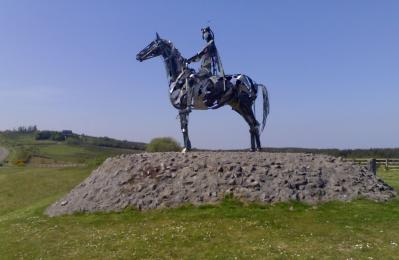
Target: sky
x,y
331,69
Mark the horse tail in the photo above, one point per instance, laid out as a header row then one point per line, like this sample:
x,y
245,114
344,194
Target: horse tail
x,y
266,105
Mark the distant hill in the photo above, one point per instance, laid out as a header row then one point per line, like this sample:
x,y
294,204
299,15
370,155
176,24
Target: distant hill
x,y
71,138
27,145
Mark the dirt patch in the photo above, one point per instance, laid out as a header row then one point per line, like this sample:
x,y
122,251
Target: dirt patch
x,y
159,180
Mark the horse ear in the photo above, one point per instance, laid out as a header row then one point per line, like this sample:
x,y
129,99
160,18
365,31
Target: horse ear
x,y
157,35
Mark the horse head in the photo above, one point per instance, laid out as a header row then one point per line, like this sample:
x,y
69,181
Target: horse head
x,y
174,62
154,49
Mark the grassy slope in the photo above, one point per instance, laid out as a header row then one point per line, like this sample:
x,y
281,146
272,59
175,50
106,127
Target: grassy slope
x,y
23,145
336,230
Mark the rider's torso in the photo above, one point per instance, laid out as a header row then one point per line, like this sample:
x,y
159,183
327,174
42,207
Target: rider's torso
x,y
209,52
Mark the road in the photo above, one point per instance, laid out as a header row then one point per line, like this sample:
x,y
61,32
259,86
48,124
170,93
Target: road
x,y
3,153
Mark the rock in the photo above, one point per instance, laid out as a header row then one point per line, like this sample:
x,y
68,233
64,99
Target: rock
x,y
156,180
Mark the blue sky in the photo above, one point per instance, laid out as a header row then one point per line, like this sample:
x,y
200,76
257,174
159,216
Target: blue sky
x,y
331,67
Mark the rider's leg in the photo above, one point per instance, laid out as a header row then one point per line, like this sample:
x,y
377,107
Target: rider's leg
x,y
203,73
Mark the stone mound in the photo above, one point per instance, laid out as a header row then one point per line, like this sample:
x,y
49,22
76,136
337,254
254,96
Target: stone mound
x,y
159,180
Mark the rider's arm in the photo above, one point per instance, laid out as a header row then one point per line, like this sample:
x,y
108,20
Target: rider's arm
x,y
195,58
199,55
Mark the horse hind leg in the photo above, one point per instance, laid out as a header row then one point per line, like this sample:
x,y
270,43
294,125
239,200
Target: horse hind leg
x,y
244,109
249,116
255,136
253,132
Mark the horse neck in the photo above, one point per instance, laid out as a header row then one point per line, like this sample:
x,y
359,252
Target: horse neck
x,y
173,63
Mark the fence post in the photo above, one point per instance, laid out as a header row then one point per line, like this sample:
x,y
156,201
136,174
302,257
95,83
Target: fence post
x,y
386,164
373,166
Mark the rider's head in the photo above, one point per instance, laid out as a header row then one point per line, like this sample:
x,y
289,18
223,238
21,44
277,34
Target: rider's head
x,y
207,34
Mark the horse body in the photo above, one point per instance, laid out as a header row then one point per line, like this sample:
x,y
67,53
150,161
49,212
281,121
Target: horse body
x,y
189,93
211,93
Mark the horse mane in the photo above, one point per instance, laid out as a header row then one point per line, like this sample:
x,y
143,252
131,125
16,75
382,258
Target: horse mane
x,y
175,53
173,48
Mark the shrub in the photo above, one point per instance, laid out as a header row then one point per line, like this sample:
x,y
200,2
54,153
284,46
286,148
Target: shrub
x,y
73,140
19,163
57,136
43,135
163,144
21,156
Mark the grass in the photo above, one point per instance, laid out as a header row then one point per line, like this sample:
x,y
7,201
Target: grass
x,y
360,229
22,186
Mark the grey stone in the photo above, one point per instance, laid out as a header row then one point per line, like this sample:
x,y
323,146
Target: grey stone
x,y
156,180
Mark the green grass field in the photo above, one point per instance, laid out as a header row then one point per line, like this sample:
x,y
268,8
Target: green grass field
x,y
360,229
357,230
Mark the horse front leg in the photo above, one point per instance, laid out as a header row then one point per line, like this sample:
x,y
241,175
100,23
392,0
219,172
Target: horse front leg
x,y
253,139
184,128
258,144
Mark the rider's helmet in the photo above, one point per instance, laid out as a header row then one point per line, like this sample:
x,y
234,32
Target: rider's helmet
x,y
207,34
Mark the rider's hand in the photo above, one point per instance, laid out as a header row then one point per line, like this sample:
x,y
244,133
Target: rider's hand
x,y
186,62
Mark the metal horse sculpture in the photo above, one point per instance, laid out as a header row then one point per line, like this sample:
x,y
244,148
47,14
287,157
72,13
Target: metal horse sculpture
x,y
238,91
